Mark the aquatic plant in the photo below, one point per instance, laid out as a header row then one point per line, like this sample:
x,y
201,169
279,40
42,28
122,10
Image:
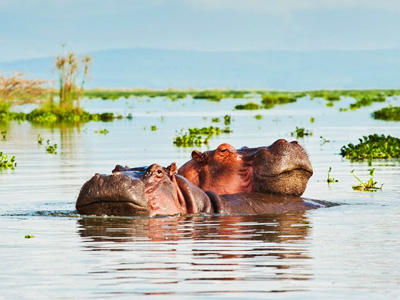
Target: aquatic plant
x,y
18,90
301,132
331,179
53,114
390,113
371,147
7,163
39,139
369,186
4,134
51,149
102,131
367,100
187,140
362,97
195,136
29,236
211,130
153,127
248,106
215,120
312,119
270,100
208,95
69,68
216,95
227,120
258,117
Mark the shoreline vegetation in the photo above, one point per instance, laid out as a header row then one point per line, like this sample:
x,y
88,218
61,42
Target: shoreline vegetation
x,y
68,107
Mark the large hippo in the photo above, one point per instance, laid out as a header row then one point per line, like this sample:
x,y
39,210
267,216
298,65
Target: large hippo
x,y
281,168
155,190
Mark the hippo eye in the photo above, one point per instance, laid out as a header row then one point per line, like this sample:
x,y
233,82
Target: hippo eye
x,y
223,151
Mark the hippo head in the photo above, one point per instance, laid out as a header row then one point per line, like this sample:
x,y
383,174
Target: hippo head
x,y
145,191
281,168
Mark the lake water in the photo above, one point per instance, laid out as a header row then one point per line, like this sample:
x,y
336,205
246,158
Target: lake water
x,y
347,251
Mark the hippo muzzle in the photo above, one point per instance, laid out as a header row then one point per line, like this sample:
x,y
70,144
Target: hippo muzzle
x,y
119,194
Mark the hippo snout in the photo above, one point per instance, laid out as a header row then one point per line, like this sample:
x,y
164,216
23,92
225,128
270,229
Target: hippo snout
x,y
117,194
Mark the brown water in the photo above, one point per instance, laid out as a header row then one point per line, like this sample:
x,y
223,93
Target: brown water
x,y
348,251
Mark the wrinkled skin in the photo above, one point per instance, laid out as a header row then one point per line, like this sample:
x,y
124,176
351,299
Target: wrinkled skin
x,y
282,168
157,191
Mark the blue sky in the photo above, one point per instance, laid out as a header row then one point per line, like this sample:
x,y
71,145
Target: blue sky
x,y
36,28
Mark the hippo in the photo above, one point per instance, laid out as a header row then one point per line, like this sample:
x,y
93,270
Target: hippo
x,y
282,168
158,191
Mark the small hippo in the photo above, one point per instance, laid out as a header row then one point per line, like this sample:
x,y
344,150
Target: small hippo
x,y
157,191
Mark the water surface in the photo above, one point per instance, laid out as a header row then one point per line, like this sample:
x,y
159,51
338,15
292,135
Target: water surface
x,y
348,251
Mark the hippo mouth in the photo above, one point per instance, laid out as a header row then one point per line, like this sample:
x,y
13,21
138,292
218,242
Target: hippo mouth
x,y
283,168
119,194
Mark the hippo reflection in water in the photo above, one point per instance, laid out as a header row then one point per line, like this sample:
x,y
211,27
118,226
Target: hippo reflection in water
x,y
155,191
282,168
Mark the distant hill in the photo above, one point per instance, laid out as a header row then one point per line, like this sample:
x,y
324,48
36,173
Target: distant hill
x,y
278,70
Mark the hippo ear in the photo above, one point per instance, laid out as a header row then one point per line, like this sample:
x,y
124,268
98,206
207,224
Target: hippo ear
x,y
198,156
172,169
118,168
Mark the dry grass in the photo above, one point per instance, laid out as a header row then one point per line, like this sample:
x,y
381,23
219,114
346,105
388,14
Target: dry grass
x,y
18,90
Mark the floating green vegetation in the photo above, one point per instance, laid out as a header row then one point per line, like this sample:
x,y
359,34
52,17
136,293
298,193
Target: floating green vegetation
x,y
367,100
270,100
369,186
312,120
362,97
331,179
258,117
213,95
55,114
329,95
371,147
7,163
211,130
248,106
198,136
390,113
153,127
217,95
51,149
209,95
116,94
4,134
301,132
227,120
29,236
102,131
215,120
39,139
187,140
